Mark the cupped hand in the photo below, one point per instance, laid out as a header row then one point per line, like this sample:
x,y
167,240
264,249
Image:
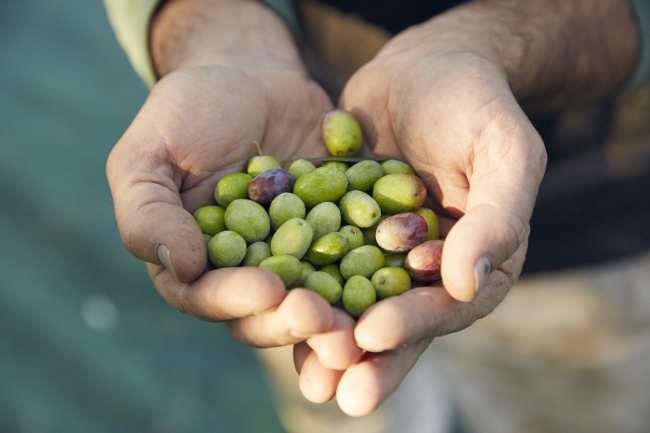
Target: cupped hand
x,y
197,125
441,103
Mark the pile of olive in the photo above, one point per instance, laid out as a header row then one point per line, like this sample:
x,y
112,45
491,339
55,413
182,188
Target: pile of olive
x,y
352,232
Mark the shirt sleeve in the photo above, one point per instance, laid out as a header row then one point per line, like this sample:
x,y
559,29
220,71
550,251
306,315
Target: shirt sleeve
x,y
285,9
130,20
641,74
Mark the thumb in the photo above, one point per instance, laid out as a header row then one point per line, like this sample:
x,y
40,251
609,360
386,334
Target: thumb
x,y
507,168
150,216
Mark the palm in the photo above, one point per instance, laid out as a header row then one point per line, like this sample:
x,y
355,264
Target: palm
x,y
197,125
205,129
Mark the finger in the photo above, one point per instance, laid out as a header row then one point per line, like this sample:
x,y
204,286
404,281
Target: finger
x,y
318,383
507,167
336,348
222,294
367,384
153,224
301,314
428,312
300,352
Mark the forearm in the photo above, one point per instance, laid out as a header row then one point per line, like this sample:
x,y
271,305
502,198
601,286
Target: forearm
x,y
565,51
189,33
552,52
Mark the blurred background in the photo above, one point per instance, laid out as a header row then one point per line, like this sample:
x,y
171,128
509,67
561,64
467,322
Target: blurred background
x,y
86,343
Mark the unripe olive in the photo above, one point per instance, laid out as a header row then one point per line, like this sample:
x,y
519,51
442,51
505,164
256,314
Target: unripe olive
x,y
342,133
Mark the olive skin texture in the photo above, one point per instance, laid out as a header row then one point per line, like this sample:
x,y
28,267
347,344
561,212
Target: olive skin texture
x,y
401,232
231,187
423,261
210,219
341,133
399,192
226,249
249,219
358,295
270,184
321,185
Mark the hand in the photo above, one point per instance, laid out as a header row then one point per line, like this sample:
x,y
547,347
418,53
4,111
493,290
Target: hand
x,y
449,111
198,124
442,96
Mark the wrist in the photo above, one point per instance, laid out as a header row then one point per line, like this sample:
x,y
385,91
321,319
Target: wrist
x,y
246,34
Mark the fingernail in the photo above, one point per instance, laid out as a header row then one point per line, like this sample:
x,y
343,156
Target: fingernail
x,y
481,271
165,258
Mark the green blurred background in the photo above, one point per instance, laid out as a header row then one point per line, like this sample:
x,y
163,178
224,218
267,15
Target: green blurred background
x,y
86,343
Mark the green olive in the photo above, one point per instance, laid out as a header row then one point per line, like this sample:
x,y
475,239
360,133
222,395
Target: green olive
x,y
358,295
399,192
354,235
210,219
256,253
324,218
300,167
365,261
293,238
287,267
328,249
284,207
307,268
226,249
333,270
342,133
321,185
249,219
391,281
259,164
325,285
359,209
363,175
391,166
432,223
231,187
339,165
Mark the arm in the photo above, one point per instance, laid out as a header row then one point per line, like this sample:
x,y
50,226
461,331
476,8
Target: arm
x,y
445,96
560,53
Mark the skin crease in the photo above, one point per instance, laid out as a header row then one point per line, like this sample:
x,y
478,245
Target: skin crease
x,y
443,95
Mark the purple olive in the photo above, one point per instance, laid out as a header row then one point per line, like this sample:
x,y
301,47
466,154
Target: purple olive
x,y
423,261
401,232
270,184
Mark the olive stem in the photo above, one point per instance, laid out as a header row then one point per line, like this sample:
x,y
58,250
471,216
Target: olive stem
x,y
259,149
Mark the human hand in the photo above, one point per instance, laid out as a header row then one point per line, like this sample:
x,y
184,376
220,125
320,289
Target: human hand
x,y
198,124
447,109
442,96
